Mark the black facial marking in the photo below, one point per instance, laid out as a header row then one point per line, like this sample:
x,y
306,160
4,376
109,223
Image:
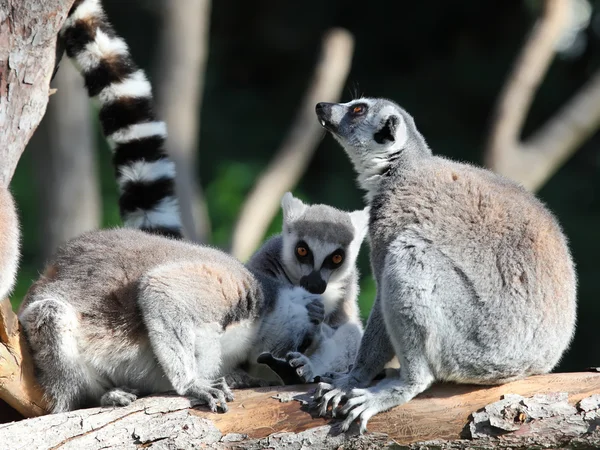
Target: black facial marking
x,y
388,131
329,262
303,259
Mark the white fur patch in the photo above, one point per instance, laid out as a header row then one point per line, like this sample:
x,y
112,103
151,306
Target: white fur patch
x,y
237,340
165,214
137,85
102,47
146,171
138,131
85,10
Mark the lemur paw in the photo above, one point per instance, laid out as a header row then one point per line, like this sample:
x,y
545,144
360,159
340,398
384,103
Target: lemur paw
x,y
316,311
333,392
213,397
119,397
301,363
362,404
222,384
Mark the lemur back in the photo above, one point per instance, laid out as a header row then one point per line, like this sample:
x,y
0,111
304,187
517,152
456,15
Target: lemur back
x,y
144,172
317,250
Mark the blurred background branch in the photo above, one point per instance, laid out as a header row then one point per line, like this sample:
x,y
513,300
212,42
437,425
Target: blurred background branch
x,y
65,166
533,161
291,160
183,50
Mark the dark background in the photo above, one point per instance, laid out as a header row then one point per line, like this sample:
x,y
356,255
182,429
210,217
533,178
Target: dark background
x,y
445,62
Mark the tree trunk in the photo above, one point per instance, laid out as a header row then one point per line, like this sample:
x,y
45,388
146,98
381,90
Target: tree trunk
x,y
28,30
443,417
182,66
65,164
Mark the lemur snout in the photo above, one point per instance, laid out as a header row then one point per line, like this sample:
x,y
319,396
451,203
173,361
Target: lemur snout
x,y
313,283
323,111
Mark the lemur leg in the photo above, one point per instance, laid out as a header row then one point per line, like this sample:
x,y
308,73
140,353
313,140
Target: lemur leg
x,y
407,303
375,351
334,353
51,327
189,354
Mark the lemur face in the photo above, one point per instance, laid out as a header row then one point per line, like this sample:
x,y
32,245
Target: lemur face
x,y
320,243
368,129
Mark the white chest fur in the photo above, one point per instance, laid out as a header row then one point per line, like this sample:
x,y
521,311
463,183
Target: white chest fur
x,y
332,297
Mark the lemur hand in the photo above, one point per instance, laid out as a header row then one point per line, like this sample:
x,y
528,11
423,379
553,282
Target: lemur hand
x,y
316,311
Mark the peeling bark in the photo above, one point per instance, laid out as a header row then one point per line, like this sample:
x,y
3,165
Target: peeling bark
x,y
557,410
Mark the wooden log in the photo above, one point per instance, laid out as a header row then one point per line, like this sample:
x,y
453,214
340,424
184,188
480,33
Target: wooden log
x,y
281,418
18,386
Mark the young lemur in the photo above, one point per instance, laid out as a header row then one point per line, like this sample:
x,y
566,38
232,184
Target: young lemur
x,y
475,281
317,250
123,312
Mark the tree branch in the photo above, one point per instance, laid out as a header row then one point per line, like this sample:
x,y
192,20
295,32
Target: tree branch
x,y
291,160
278,418
28,30
183,54
18,386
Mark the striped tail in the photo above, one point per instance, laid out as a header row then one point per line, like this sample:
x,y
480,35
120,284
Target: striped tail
x,y
144,172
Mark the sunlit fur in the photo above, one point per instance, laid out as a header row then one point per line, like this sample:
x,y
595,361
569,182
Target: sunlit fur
x,y
475,281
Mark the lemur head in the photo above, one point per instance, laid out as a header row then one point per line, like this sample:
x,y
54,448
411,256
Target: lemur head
x,y
375,133
320,243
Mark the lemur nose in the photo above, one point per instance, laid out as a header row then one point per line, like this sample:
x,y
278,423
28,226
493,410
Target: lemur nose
x,y
313,283
319,106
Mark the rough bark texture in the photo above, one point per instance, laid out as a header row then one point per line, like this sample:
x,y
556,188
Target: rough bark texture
x,y
18,387
28,30
65,164
533,161
292,158
182,62
276,418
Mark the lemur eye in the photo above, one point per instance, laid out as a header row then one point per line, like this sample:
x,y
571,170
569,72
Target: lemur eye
x,y
359,110
302,251
337,259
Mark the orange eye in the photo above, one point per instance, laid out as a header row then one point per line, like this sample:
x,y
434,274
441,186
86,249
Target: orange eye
x,y
337,259
302,251
357,109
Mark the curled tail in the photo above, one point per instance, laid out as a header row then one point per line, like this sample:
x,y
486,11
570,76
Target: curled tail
x,y
144,171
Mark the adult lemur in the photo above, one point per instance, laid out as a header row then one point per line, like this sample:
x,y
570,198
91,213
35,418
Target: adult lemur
x,y
122,312
475,281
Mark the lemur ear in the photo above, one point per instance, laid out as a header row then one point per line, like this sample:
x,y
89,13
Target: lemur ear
x,y
388,132
360,221
292,207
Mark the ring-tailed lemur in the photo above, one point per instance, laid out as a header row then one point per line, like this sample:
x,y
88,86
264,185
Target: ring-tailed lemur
x,y
123,312
317,250
475,281
144,172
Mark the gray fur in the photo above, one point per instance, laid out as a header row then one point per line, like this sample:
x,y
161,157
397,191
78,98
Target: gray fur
x,y
324,229
475,281
122,311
